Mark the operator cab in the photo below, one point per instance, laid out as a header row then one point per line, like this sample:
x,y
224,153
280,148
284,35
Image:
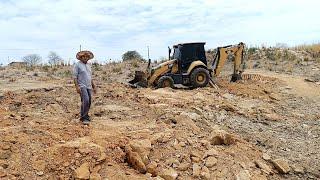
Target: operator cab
x,y
186,53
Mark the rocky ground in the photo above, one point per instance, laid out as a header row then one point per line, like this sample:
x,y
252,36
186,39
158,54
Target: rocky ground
x,y
267,127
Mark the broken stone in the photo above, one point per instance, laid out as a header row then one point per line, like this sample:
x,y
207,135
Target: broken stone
x,y
168,174
266,157
83,171
183,166
195,156
6,147
134,159
3,164
177,146
102,157
152,168
205,173
264,167
142,147
95,176
274,97
243,175
211,152
281,165
195,159
205,143
84,150
272,117
198,111
96,169
39,173
211,161
5,154
182,144
77,155
191,115
160,138
66,164
39,165
298,169
157,178
196,170
172,161
220,137
229,139
228,107
2,172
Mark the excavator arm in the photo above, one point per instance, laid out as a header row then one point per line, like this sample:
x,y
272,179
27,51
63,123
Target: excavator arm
x,y
222,56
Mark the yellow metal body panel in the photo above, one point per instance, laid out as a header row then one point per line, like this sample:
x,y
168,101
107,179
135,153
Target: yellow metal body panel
x,y
195,64
162,69
222,60
175,68
237,51
238,59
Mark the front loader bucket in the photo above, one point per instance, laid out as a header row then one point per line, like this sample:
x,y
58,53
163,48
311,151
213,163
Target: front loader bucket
x,y
140,80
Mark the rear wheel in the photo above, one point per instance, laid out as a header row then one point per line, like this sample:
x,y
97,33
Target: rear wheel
x,y
199,77
165,81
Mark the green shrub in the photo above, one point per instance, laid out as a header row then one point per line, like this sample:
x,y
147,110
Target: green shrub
x,y
252,50
131,55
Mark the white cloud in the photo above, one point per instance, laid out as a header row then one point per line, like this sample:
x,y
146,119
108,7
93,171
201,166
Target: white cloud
x,y
109,28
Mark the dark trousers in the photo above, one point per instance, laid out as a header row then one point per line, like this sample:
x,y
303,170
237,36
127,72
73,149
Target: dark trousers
x,y
85,103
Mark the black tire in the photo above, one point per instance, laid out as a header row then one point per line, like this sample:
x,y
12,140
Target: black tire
x,y
165,81
199,77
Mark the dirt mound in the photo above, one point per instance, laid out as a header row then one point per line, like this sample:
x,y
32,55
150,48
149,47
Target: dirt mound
x,y
245,130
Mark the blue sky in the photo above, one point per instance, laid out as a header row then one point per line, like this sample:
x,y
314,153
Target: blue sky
x,y
110,27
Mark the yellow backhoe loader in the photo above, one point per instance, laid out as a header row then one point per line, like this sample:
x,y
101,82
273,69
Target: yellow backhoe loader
x,y
188,66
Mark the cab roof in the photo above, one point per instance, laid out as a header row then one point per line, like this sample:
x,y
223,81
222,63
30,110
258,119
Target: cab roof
x,y
202,43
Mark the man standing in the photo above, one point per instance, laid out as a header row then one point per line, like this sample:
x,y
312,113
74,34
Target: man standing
x,y
84,84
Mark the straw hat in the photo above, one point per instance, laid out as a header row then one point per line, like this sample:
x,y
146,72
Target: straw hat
x,y
85,54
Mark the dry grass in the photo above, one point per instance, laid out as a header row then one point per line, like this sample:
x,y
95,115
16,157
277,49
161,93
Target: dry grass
x,y
135,63
309,48
117,69
313,49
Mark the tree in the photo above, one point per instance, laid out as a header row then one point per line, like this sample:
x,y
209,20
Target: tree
x,y
54,58
131,55
32,59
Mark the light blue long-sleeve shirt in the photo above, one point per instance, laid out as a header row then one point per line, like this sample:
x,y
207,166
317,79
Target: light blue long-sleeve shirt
x,y
82,72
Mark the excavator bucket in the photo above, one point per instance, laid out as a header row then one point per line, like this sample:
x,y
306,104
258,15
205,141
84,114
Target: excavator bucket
x,y
235,77
140,80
